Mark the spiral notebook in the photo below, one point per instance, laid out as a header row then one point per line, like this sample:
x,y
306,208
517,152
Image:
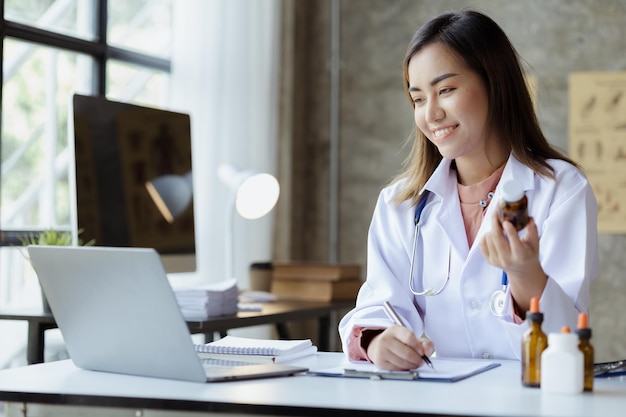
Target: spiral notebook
x,y
256,350
251,346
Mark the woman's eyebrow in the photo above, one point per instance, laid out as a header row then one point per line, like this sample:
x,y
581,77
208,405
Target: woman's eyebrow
x,y
435,80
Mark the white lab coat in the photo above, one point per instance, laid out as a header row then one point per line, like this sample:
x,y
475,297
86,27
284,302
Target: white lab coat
x,y
459,320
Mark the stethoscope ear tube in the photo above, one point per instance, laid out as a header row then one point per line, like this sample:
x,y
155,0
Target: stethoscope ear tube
x,y
418,214
420,206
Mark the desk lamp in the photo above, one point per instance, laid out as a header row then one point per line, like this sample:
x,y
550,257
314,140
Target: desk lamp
x,y
252,195
172,194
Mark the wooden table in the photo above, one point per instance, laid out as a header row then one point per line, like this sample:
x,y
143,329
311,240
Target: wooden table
x,y
278,313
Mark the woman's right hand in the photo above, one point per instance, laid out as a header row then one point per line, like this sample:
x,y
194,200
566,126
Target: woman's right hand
x,y
398,349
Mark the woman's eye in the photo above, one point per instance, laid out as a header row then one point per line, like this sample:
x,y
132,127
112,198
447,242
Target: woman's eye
x,y
418,100
446,90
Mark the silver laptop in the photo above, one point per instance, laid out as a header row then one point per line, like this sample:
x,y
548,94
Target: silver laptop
x,y
117,313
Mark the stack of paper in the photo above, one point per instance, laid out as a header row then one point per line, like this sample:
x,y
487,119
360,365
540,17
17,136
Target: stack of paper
x,y
209,300
256,350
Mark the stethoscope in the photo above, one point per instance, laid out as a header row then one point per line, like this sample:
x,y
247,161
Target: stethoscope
x,y
497,299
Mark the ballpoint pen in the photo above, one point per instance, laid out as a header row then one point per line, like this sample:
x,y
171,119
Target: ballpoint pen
x,y
391,313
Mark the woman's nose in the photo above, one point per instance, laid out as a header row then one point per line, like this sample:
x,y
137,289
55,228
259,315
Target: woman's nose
x,y
434,112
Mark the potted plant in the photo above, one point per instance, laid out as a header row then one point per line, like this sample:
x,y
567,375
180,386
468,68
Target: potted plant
x,y
51,238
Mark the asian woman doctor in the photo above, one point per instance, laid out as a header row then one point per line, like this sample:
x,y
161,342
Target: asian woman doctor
x,y
476,129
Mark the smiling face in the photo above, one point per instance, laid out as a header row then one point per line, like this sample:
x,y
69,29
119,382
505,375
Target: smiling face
x,y
451,108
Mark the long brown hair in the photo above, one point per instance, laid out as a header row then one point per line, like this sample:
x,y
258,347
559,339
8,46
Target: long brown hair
x,y
486,49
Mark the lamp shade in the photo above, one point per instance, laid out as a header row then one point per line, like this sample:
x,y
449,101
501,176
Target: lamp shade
x,y
172,194
256,193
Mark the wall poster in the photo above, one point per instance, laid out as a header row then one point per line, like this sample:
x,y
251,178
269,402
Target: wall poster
x,y
597,141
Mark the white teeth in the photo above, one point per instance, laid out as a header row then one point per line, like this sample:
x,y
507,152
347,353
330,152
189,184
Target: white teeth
x,y
442,132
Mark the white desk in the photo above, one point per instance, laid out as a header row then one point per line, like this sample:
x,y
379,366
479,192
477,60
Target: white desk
x,y
497,392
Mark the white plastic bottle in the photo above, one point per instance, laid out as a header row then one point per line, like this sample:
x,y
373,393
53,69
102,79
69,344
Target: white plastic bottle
x,y
562,364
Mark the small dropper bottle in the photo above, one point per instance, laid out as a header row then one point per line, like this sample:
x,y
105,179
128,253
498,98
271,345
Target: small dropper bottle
x,y
584,334
534,342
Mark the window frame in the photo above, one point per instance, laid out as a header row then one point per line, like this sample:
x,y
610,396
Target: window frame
x,y
98,49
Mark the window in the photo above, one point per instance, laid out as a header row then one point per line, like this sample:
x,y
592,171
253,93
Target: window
x,y
50,50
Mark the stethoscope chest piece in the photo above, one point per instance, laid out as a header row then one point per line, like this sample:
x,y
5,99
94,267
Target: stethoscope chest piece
x,y
498,298
496,303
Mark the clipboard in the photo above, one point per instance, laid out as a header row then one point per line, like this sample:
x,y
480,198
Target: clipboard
x,y
445,370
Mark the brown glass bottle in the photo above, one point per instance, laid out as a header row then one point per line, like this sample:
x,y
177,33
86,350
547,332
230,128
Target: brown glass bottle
x,y
584,334
513,205
534,342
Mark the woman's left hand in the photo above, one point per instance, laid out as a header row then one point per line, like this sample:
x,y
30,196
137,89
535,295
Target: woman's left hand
x,y
518,256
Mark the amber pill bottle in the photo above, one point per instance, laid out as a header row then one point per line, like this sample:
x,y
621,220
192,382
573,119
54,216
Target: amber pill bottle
x,y
534,342
513,204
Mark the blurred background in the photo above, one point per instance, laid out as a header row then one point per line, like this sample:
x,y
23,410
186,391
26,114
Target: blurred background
x,y
308,90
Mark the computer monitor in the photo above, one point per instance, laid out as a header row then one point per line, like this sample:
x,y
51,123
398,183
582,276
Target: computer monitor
x,y
121,150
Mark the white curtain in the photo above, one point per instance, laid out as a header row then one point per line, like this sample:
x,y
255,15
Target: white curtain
x,y
225,75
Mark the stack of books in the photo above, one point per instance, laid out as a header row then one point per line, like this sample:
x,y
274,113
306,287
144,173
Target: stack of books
x,y
316,281
209,300
244,349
